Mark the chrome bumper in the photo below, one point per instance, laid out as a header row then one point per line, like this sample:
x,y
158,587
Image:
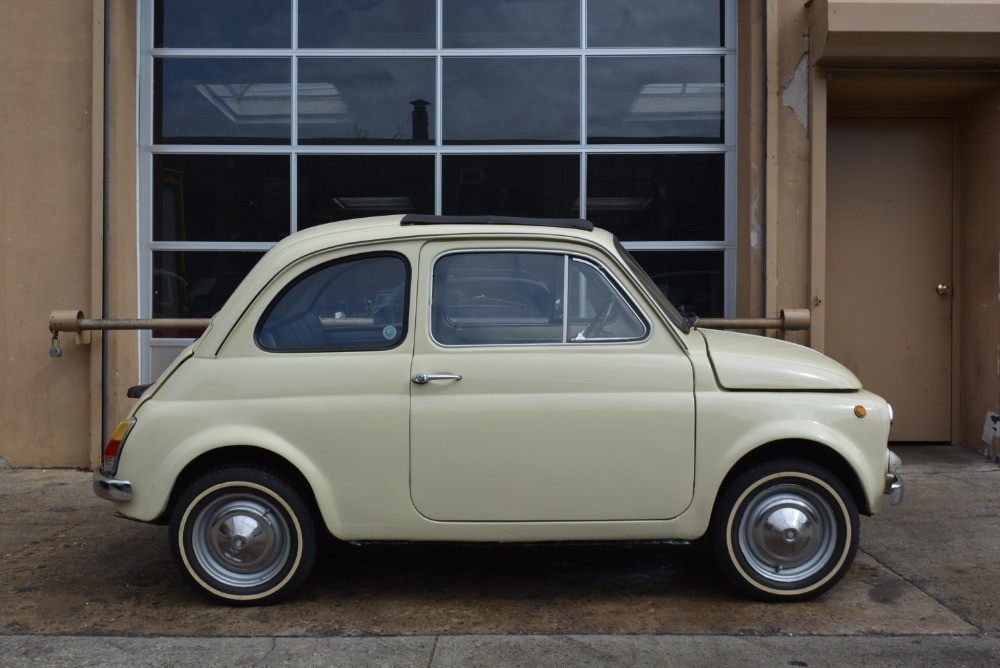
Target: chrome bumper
x,y
112,490
893,481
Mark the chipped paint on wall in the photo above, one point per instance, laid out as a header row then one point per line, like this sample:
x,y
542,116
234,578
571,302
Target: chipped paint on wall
x,y
991,430
755,210
795,94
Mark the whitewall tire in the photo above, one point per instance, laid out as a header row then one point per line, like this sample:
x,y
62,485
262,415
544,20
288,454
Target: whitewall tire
x,y
244,536
785,530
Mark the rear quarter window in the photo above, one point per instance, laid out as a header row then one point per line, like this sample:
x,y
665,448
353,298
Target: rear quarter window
x,y
357,303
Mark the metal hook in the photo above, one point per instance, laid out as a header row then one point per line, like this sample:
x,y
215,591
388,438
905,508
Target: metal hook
x,y
54,349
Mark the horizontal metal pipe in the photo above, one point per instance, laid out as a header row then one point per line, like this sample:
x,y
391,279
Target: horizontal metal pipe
x,y
68,324
740,323
149,323
749,323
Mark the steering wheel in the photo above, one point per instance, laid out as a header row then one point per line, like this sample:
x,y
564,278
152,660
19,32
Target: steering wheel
x,y
596,326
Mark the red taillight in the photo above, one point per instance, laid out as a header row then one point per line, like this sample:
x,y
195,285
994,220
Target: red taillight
x,y
114,446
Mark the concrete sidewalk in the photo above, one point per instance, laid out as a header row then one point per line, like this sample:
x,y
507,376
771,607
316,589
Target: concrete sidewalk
x,y
75,582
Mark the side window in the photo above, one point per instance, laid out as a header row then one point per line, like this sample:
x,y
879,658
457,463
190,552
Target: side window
x,y
597,310
503,298
354,304
498,298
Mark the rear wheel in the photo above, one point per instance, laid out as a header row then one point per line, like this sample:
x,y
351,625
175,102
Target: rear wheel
x,y
244,536
785,530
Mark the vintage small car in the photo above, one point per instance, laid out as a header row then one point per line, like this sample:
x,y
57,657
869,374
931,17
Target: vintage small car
x,y
435,378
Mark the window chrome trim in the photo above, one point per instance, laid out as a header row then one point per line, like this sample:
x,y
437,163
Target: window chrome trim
x,y
626,296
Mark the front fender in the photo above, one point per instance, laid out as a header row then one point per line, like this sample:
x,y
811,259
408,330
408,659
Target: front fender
x,y
733,425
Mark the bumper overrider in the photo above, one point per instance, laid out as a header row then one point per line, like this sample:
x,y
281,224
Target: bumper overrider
x,y
893,481
111,489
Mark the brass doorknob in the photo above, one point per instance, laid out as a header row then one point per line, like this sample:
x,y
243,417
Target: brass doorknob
x,y
943,289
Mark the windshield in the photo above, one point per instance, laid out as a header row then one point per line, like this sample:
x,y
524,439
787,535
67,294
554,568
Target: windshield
x,y
661,299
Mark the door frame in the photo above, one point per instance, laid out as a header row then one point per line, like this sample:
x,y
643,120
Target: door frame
x,y
820,112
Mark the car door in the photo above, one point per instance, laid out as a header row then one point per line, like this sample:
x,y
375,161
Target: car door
x,y
542,392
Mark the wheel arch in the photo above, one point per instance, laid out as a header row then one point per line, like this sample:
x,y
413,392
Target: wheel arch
x,y
804,449
244,456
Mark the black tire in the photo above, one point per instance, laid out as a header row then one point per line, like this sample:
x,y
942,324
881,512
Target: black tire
x,y
243,536
785,530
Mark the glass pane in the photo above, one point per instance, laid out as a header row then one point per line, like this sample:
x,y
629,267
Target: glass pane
x,y
511,100
222,101
366,101
359,304
544,186
654,23
338,187
195,284
658,197
367,24
498,298
597,311
693,280
220,197
657,99
223,24
511,23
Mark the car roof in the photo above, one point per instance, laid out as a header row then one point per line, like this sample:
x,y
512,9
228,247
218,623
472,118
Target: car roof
x,y
573,223
384,228
380,229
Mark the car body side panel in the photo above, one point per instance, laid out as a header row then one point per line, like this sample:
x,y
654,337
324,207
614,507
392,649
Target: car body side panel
x,y
342,419
534,432
342,422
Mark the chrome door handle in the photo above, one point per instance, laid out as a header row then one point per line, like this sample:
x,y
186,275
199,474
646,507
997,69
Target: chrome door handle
x,y
424,378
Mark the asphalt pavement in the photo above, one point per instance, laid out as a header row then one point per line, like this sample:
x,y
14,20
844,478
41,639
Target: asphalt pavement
x,y
81,587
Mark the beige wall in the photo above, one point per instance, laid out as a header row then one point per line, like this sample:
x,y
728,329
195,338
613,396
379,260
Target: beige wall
x,y
46,121
787,202
978,289
51,196
123,277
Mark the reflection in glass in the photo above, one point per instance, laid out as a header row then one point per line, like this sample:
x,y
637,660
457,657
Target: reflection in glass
x,y
195,284
367,24
693,280
354,304
229,24
339,187
222,101
505,24
366,100
220,197
654,23
511,185
654,99
511,100
669,197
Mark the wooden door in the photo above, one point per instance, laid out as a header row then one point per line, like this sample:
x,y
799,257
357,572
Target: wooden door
x,y
889,248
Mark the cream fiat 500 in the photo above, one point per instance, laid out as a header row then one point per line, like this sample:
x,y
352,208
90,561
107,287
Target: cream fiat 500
x,y
428,378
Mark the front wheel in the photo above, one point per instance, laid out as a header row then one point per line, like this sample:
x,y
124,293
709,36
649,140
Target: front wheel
x,y
244,536
785,530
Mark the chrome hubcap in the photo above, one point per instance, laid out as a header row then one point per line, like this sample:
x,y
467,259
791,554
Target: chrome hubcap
x,y
788,533
241,541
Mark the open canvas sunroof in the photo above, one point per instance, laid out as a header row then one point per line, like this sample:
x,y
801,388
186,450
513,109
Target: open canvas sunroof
x,y
424,219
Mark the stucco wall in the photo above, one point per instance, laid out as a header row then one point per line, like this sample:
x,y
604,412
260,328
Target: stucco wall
x,y
979,285
123,272
788,160
45,216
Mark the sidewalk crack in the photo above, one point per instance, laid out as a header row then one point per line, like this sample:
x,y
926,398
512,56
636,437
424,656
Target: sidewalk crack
x,y
925,592
430,661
